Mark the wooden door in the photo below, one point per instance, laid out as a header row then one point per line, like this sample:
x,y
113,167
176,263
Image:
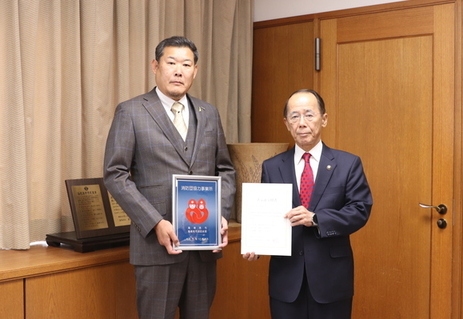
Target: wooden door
x,y
388,82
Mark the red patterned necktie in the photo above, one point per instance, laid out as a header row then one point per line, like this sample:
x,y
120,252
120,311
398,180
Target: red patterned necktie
x,y
307,182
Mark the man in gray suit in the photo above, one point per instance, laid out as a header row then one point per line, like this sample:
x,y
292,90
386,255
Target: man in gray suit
x,y
144,149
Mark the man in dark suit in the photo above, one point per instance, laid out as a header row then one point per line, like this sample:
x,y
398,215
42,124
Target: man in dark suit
x,y
144,149
316,281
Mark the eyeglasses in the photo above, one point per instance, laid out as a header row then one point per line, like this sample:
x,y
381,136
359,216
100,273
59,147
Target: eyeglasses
x,y
296,117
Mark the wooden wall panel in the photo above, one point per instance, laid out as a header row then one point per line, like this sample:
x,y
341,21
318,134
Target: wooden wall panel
x,y
283,62
271,66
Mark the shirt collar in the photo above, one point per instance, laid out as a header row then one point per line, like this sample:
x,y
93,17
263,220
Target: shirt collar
x,y
315,152
167,101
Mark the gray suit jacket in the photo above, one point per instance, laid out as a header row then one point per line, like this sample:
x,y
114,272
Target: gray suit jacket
x,y
144,150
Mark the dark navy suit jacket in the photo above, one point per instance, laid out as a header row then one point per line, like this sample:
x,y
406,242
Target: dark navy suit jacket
x,y
342,202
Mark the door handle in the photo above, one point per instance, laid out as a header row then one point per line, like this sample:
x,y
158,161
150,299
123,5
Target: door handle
x,y
441,209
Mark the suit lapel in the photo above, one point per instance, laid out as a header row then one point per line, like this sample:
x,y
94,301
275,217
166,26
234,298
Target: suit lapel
x,y
325,171
200,115
154,107
288,175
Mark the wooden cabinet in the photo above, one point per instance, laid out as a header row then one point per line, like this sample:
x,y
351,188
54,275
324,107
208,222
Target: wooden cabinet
x,y
48,283
12,299
55,283
242,288
106,291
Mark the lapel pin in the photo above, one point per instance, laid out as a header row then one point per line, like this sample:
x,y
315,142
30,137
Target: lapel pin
x,y
328,167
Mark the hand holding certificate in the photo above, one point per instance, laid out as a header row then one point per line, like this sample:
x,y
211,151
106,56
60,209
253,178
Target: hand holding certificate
x,y
264,229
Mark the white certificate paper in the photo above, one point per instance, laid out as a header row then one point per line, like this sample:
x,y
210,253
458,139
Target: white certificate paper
x,y
264,230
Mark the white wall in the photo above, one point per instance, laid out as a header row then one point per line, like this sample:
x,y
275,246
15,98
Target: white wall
x,y
274,9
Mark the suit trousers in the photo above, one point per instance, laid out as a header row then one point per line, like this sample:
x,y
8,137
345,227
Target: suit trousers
x,y
305,307
189,285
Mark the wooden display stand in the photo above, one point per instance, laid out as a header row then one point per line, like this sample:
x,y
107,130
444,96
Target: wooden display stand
x,y
87,244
